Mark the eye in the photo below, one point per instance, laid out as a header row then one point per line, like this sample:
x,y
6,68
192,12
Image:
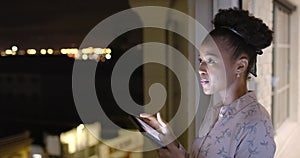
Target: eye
x,y
210,61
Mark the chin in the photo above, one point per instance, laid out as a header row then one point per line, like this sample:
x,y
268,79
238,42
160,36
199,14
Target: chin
x,y
207,92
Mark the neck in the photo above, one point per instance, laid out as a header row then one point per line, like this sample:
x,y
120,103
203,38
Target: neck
x,y
233,92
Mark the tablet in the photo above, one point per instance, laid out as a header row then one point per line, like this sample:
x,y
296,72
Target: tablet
x,y
147,131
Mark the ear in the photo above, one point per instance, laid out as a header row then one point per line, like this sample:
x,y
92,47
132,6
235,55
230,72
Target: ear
x,y
242,65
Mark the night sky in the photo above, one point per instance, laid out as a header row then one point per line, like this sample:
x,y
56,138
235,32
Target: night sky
x,y
52,23
36,91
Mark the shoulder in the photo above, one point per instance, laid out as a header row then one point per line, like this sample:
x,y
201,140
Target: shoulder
x,y
256,116
255,112
258,137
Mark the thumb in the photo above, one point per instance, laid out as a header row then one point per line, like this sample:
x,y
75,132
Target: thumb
x,y
160,121
164,128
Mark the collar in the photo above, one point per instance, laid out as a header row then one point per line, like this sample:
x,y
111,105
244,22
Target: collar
x,y
238,104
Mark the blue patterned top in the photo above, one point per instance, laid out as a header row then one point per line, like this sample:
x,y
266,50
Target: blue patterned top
x,y
243,130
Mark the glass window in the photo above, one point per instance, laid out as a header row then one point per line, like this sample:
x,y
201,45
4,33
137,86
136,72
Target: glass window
x,y
281,66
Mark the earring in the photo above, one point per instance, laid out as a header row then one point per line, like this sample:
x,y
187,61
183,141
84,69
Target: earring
x,y
238,75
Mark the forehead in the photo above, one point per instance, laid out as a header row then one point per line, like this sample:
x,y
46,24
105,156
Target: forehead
x,y
216,45
209,46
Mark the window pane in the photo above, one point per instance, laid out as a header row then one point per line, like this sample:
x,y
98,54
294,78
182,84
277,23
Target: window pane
x,y
280,101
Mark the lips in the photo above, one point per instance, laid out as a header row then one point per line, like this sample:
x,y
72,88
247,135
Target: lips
x,y
204,81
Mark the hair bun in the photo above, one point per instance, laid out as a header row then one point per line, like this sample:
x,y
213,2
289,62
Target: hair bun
x,y
252,29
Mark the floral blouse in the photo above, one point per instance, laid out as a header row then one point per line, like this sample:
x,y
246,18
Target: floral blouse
x,y
243,130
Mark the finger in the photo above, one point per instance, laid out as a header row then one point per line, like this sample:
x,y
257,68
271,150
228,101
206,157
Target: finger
x,y
163,129
150,120
145,115
173,146
160,121
163,152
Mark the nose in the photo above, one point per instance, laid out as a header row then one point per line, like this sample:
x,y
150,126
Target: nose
x,y
202,68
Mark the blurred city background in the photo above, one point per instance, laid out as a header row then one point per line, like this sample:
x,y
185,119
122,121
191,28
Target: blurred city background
x,y
40,41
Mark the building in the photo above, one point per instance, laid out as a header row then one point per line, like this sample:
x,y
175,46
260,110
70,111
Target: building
x,y
277,84
16,146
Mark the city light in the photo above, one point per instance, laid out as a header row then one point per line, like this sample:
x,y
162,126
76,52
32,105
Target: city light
x,y
88,50
107,56
8,52
21,52
89,53
91,57
108,51
69,51
36,156
63,51
80,127
72,51
84,57
14,48
98,50
50,51
31,51
43,51
3,53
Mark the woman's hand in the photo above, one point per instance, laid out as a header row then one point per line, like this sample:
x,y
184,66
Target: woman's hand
x,y
172,150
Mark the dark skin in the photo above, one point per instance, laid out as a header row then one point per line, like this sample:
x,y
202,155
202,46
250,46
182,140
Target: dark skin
x,y
172,149
214,66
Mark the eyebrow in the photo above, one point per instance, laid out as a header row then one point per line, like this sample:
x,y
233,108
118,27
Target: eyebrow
x,y
210,54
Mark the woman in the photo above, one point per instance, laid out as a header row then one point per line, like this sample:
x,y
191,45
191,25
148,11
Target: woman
x,y
239,126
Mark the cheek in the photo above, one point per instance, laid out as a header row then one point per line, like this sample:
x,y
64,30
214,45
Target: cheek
x,y
224,76
230,75
218,77
221,80
220,73
229,72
